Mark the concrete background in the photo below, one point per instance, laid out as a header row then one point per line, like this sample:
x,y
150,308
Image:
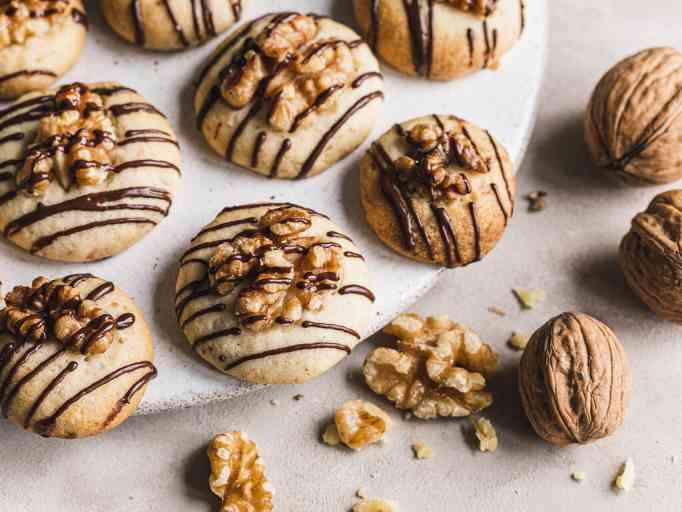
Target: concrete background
x,y
157,463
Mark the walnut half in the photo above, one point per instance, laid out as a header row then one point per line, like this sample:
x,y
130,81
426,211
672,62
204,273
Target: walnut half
x,y
361,423
237,474
438,368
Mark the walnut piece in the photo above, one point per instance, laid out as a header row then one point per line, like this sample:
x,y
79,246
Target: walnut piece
x,y
529,298
632,126
20,20
579,476
478,7
574,380
296,75
518,341
651,255
330,436
54,308
237,474
438,368
74,143
360,424
374,505
536,201
422,451
485,433
284,273
625,479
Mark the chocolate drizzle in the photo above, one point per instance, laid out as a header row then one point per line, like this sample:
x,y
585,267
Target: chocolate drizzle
x,y
27,73
176,26
283,150
420,18
307,324
287,350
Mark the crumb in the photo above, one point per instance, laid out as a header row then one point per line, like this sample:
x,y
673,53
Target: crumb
x,y
486,434
529,298
422,451
518,341
274,402
361,493
625,479
298,397
578,476
331,435
497,311
374,505
536,201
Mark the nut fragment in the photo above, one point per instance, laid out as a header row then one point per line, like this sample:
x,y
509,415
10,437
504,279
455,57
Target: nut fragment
x,y
625,479
237,474
536,201
485,433
330,436
529,298
632,124
73,143
518,341
438,369
360,424
574,380
651,258
579,476
374,505
422,451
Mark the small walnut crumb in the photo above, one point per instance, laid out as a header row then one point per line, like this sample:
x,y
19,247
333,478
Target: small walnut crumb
x,y
237,474
360,424
374,505
497,311
579,476
529,298
518,341
486,434
536,201
362,493
438,369
422,451
625,479
330,436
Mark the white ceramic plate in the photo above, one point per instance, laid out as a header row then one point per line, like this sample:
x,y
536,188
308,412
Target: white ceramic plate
x,y
503,101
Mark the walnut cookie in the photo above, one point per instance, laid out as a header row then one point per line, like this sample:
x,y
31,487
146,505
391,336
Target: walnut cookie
x,y
438,190
75,356
441,39
288,95
40,40
85,171
273,293
171,24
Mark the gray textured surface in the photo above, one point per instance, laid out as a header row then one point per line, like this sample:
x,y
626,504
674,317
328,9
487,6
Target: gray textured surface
x,y
156,463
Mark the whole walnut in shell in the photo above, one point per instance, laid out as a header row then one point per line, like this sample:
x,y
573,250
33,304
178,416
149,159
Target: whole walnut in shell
x,y
651,255
574,380
633,125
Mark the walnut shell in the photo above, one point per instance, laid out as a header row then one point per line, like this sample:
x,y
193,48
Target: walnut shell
x,y
574,380
632,125
651,255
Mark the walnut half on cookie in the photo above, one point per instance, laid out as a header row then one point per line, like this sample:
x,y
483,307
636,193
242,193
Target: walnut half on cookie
x,y
75,356
289,95
273,293
438,190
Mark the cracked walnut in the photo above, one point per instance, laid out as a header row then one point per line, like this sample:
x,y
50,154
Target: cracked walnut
x,y
439,368
20,20
360,424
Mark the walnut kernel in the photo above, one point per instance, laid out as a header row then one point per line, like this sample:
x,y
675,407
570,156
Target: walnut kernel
x,y
330,436
360,424
574,380
422,451
237,474
529,298
625,479
485,433
374,505
438,368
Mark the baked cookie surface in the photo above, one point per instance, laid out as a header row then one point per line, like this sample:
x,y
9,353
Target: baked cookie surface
x,y
288,95
438,189
441,39
40,40
75,356
171,24
273,293
85,172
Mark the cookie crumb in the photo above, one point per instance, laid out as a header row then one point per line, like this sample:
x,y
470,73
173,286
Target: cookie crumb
x,y
518,341
536,201
486,434
625,479
422,451
331,435
529,298
578,476
497,311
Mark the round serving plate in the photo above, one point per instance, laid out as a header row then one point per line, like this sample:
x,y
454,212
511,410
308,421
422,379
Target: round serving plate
x,y
502,101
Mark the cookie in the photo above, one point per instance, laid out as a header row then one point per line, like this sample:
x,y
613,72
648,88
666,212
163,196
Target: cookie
x,y
170,24
438,190
85,172
273,293
75,356
40,40
441,39
288,95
